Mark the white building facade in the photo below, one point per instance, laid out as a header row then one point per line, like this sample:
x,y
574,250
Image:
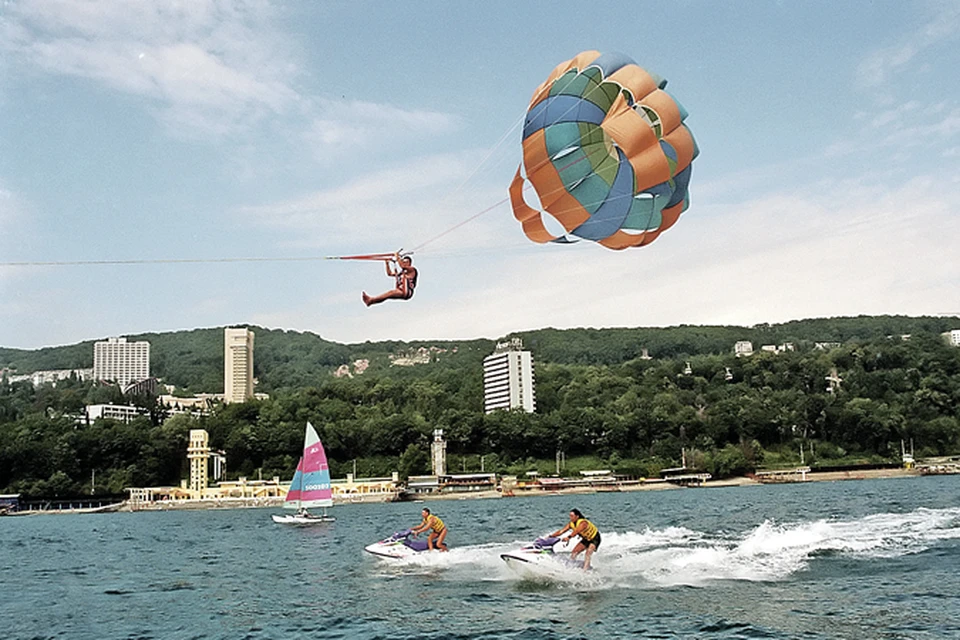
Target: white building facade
x,y
508,381
237,365
120,361
119,412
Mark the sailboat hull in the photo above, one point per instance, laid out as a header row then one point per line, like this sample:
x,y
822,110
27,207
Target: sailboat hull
x,y
301,519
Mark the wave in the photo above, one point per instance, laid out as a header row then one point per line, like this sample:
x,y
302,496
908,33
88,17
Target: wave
x,y
677,556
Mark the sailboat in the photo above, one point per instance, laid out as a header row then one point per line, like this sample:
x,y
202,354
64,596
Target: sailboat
x,y
310,487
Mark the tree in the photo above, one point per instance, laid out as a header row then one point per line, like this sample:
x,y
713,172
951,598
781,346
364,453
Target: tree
x,y
413,462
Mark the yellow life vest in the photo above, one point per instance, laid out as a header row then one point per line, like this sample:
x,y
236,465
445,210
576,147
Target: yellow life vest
x,y
434,523
589,532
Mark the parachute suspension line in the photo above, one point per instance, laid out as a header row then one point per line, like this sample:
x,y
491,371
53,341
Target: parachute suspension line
x,y
461,223
506,135
503,138
491,207
73,263
62,263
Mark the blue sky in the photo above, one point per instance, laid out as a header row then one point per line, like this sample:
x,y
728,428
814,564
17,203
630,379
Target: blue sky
x,y
827,184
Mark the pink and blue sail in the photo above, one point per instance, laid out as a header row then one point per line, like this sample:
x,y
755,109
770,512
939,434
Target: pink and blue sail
x,y
311,483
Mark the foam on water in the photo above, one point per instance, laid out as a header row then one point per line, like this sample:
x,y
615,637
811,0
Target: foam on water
x,y
675,556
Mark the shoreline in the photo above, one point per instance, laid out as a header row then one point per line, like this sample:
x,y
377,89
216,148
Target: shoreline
x,y
649,485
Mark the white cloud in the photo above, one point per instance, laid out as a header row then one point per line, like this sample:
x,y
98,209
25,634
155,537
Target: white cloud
x,y
209,65
877,69
409,203
855,249
904,135
354,124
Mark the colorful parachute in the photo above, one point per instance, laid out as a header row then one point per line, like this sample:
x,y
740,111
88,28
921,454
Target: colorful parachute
x,y
607,152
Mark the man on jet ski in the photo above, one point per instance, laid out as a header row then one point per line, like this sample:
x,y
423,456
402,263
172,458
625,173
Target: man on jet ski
x,y
438,530
588,532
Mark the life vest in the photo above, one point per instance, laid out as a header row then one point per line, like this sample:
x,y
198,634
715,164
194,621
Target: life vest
x,y
589,532
435,523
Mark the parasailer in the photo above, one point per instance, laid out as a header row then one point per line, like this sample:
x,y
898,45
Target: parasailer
x,y
401,268
607,152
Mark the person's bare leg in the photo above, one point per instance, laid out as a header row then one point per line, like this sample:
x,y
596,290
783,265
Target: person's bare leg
x,y
586,557
393,293
576,550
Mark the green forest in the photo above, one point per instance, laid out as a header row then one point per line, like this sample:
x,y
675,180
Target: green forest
x,y
629,400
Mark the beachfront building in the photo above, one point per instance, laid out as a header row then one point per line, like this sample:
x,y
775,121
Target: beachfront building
x,y
198,453
237,365
120,361
354,489
508,378
9,503
444,485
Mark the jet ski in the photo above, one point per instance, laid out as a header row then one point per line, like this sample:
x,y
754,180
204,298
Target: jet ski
x,y
402,544
541,560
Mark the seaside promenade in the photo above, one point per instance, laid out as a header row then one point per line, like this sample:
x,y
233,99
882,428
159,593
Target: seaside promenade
x,y
652,485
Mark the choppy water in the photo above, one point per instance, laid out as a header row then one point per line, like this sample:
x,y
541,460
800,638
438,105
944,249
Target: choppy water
x,y
858,559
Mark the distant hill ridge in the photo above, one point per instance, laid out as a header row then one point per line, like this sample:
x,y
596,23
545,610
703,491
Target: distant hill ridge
x,y
193,359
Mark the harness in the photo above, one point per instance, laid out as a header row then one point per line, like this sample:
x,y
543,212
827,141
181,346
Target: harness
x,y
407,282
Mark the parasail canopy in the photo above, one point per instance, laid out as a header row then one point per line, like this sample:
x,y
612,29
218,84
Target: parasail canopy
x,y
606,149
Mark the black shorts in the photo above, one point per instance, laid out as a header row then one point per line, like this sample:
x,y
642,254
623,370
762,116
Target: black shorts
x,y
595,541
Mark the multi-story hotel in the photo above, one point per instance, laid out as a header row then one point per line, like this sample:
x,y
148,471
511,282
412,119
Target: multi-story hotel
x,y
237,365
121,361
508,378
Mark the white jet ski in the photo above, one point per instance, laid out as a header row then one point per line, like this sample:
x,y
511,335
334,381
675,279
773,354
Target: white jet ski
x,y
400,545
540,560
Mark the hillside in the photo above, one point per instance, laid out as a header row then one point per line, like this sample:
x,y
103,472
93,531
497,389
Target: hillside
x,y
193,360
599,402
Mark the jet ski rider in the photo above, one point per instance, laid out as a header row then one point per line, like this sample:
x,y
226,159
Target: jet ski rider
x,y
438,530
589,536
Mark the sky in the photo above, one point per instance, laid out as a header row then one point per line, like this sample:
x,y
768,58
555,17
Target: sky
x,y
181,136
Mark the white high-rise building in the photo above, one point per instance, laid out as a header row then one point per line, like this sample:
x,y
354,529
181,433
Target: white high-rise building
x,y
237,365
508,378
121,361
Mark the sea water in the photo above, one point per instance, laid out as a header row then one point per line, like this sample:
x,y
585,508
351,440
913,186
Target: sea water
x,y
855,559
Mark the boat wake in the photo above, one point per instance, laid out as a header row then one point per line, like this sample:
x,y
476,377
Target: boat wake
x,y
676,556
